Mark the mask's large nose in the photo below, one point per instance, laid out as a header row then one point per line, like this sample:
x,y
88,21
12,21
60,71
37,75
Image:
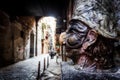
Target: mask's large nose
x,y
75,34
72,41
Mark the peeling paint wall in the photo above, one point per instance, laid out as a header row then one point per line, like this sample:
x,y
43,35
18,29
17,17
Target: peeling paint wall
x,y
28,27
15,38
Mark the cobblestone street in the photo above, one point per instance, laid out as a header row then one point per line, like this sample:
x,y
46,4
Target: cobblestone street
x,y
53,72
28,69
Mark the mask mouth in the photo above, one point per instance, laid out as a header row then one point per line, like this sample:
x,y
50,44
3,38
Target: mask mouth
x,y
72,52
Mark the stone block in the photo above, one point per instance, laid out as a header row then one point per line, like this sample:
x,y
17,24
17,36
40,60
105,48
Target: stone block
x,y
70,73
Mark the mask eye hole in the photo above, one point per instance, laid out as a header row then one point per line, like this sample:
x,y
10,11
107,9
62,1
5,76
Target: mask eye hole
x,y
76,26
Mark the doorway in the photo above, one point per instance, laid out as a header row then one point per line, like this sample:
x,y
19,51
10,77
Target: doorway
x,y
31,45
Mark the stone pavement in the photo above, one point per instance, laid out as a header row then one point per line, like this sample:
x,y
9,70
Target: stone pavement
x,y
28,69
53,72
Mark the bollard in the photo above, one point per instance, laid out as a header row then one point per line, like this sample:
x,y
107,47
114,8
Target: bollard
x,y
56,59
44,65
38,76
62,51
65,55
47,61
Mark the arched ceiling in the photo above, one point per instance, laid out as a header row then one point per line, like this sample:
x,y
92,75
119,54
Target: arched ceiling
x,y
34,7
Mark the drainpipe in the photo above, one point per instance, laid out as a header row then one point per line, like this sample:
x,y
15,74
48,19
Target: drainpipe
x,y
36,37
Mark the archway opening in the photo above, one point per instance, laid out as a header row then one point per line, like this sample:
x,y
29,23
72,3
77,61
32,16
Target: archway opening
x,y
46,34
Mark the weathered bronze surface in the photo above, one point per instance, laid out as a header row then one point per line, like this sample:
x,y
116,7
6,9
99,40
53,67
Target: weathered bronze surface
x,y
90,35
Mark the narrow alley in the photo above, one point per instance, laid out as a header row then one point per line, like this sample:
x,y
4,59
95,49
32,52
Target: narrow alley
x,y
28,69
29,38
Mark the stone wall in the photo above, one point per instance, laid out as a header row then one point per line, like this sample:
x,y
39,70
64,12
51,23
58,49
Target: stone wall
x,y
15,37
5,38
23,26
